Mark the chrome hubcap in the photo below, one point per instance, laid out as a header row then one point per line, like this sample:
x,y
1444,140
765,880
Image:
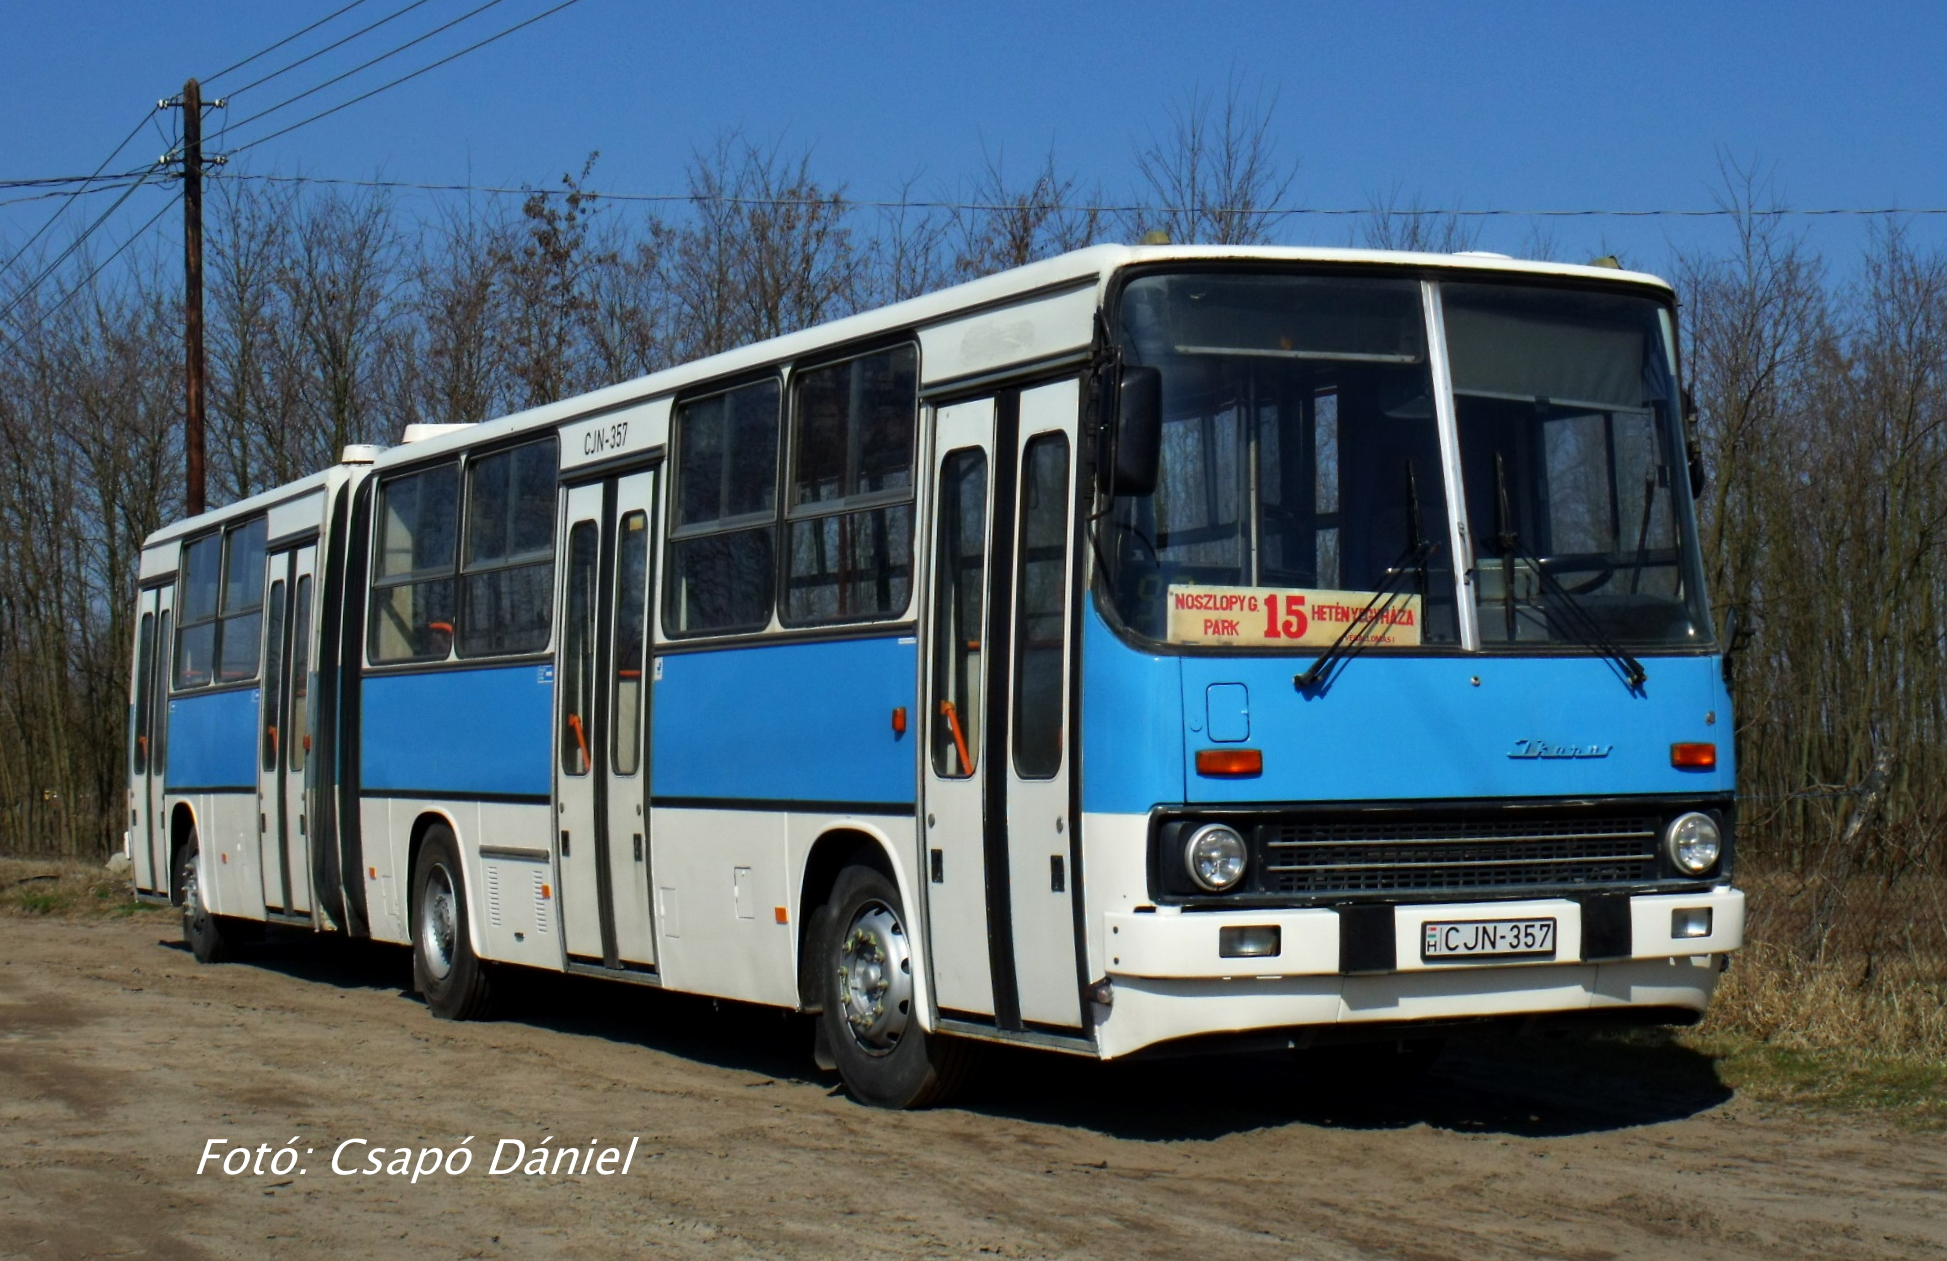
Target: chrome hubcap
x,y
193,913
875,979
438,923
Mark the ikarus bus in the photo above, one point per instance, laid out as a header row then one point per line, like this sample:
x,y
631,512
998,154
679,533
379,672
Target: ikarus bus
x,y
1145,649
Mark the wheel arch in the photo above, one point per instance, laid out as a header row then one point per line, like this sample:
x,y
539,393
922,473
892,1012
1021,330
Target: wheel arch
x,y
834,850
422,824
182,826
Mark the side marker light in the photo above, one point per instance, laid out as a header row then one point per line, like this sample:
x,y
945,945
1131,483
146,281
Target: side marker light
x,y
1694,757
1230,762
783,916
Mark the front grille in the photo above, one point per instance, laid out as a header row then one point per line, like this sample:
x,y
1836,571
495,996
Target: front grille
x,y
1436,855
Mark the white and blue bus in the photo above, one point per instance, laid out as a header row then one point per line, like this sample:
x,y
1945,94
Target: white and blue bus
x,y
1145,649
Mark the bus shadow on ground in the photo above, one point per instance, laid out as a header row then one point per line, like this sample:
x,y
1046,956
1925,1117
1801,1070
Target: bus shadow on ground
x,y
1531,1087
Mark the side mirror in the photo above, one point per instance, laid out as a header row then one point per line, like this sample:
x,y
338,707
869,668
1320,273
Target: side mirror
x,y
1693,444
1138,431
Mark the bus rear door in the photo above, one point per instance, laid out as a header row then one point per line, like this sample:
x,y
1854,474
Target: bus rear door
x,y
148,826
283,738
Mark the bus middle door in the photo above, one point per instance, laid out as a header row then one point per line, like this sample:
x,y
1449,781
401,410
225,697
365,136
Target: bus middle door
x,y
601,721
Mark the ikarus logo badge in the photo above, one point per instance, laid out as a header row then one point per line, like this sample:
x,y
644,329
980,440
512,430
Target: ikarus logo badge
x,y
1524,749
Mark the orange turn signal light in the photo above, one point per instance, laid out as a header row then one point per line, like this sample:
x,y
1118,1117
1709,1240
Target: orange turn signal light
x,y
1230,762
1694,757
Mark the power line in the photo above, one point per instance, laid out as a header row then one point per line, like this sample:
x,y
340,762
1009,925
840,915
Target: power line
x,y
49,181
78,192
287,39
84,282
76,244
366,65
1268,211
405,77
63,207
397,13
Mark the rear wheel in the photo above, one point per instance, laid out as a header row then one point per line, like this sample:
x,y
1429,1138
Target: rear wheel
x,y
452,979
870,1024
211,938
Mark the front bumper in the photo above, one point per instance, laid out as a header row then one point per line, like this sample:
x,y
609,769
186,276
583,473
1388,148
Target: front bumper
x,y
1170,981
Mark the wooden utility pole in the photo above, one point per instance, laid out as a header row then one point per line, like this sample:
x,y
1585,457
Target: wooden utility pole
x,y
193,493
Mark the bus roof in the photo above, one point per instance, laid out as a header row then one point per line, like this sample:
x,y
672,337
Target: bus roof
x,y
1093,265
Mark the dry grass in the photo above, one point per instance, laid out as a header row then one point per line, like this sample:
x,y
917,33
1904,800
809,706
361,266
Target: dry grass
x,y
64,888
1860,1027
1880,984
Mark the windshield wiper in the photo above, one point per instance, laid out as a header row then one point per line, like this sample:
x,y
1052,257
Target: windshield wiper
x,y
1318,676
1577,622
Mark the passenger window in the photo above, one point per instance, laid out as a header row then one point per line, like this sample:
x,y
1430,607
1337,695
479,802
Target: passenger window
x,y
239,636
721,557
1040,607
849,545
507,578
298,738
958,608
412,582
631,618
223,607
577,681
196,605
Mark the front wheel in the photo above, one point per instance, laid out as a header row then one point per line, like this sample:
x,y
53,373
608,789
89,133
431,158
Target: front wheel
x,y
452,979
870,1024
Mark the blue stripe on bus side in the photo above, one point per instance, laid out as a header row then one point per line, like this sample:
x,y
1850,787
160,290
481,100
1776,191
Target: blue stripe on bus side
x,y
458,731
788,722
213,740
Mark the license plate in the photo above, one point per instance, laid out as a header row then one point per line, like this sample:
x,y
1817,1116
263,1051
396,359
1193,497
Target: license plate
x,y
1487,939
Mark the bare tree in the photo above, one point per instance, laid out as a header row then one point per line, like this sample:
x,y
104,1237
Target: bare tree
x,y
767,249
546,275
449,365
1003,224
1409,224
1214,171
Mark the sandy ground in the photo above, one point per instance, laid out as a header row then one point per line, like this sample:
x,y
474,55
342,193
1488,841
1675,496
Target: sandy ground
x,y
120,1058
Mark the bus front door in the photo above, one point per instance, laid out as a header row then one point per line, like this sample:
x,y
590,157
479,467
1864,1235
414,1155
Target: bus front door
x,y
1001,860
601,722
284,733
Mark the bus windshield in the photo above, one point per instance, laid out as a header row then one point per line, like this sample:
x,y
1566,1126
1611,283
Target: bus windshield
x,y
1301,496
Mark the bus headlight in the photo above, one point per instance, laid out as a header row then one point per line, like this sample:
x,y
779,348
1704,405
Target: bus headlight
x,y
1693,842
1215,857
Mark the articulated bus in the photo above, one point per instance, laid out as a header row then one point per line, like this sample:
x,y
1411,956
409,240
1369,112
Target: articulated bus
x,y
1148,649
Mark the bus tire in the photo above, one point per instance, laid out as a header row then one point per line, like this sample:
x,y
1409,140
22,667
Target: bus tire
x,y
211,938
870,1024
448,975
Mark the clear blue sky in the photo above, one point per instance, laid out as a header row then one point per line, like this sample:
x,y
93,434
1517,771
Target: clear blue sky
x,y
1485,105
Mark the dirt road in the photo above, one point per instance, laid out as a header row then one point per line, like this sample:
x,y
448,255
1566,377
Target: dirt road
x,y
121,1058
